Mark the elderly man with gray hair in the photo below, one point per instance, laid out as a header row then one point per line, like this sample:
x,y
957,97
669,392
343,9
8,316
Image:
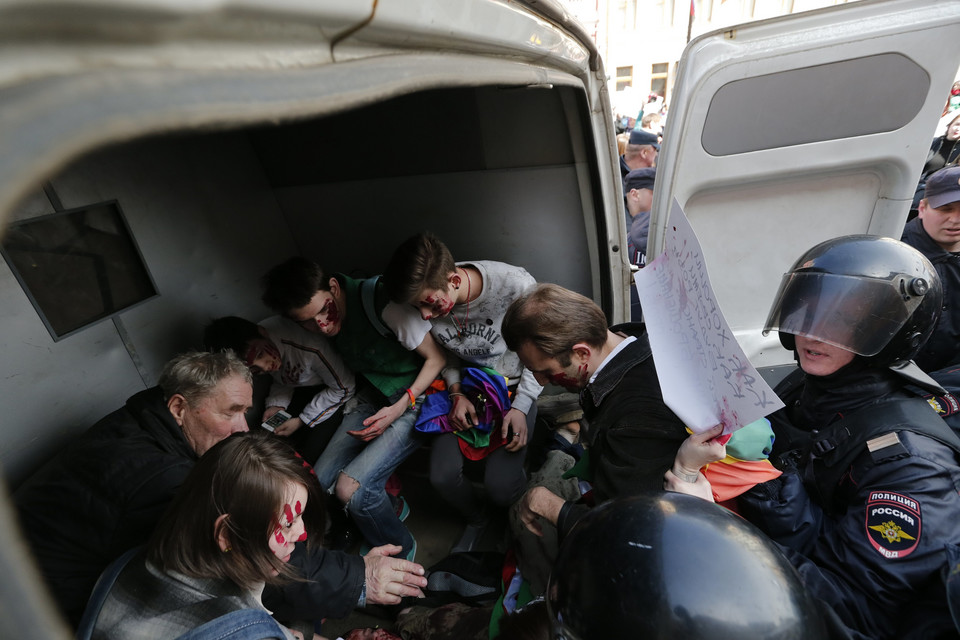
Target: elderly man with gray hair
x,y
106,492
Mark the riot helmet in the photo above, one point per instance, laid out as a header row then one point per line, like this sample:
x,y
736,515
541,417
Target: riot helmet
x,y
874,296
669,565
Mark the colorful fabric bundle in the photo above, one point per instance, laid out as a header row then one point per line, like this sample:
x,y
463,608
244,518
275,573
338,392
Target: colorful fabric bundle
x,y
746,463
487,391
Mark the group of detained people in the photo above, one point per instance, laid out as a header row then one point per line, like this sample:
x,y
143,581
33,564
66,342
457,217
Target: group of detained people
x,y
374,347
861,496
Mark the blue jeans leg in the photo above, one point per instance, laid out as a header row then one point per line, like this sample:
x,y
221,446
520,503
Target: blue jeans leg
x,y
370,506
342,448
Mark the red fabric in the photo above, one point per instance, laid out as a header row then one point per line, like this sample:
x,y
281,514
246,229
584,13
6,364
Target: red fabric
x,y
393,485
730,479
473,453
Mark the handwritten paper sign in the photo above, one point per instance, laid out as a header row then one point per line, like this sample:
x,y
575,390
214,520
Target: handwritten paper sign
x,y
705,377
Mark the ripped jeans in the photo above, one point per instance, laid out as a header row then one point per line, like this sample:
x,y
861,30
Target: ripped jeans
x,y
370,465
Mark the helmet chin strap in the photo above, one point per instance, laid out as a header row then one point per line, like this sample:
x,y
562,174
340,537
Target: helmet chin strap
x,y
910,371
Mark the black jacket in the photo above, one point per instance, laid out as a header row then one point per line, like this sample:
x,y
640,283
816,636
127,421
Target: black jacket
x,y
943,347
866,526
103,495
107,490
633,436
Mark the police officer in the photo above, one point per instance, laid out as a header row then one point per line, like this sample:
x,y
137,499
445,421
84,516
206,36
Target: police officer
x,y
868,502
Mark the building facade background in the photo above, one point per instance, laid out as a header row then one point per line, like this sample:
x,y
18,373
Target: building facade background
x,y
641,41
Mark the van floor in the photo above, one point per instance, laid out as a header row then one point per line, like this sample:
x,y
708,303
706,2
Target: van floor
x,y
436,528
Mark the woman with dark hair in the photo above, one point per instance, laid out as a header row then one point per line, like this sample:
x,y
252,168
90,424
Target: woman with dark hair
x,y
230,530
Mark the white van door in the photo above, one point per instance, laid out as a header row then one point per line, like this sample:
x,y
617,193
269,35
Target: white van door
x,y
787,132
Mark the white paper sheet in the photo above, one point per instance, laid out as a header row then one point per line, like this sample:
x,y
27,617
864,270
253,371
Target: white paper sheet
x,y
704,375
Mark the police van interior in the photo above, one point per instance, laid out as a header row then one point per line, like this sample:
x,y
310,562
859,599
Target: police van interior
x,y
162,155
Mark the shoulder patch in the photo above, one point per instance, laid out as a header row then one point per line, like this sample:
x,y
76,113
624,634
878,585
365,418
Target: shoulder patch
x,y
944,405
893,523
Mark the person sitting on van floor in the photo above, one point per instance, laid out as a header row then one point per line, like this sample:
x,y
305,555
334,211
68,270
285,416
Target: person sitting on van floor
x,y
936,234
465,303
231,529
105,494
293,357
632,436
390,347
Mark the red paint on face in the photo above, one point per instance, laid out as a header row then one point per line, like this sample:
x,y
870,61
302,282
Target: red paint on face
x,y
331,312
278,536
298,508
571,383
288,512
261,356
563,380
250,355
435,305
303,537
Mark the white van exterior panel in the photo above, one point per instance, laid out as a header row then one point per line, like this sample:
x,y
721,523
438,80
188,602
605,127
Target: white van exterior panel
x,y
488,26
757,209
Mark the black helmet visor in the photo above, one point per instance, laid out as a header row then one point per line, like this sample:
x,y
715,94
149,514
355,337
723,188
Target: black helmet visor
x,y
851,312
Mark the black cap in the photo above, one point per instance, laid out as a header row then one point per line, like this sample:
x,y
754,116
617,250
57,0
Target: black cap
x,y
943,187
639,179
639,136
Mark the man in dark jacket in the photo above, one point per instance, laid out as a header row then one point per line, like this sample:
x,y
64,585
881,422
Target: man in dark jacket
x,y
633,437
105,493
936,234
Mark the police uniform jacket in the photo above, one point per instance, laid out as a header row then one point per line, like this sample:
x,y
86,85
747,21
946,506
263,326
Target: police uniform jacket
x,y
868,506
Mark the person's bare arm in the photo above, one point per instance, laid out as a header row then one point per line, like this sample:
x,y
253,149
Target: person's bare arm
x,y
433,363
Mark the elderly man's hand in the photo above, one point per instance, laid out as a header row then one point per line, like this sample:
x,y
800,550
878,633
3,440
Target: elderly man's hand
x,y
389,578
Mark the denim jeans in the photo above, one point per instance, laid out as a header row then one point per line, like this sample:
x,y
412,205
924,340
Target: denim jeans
x,y
370,465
